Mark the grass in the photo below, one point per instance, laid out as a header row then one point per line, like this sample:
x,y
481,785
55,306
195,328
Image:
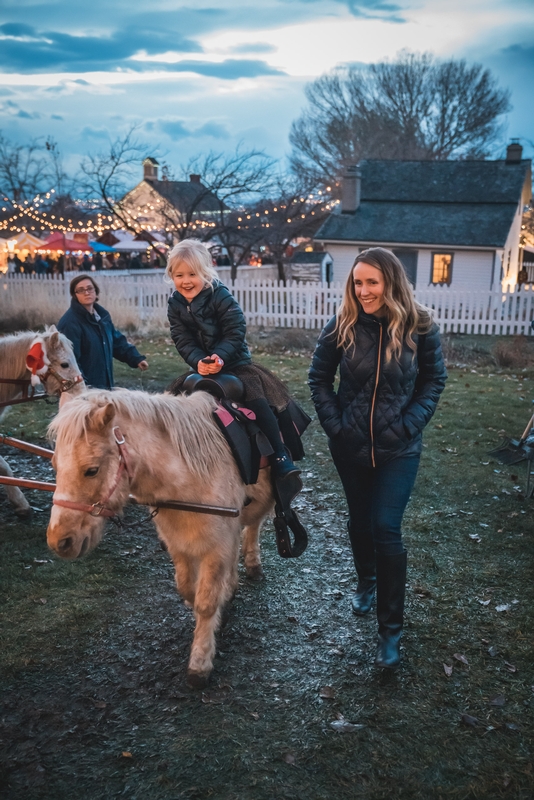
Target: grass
x,y
93,653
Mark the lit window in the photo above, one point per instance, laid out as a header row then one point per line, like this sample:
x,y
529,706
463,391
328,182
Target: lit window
x,y
441,268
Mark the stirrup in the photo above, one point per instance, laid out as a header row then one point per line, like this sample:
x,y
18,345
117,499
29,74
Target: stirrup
x,y
286,519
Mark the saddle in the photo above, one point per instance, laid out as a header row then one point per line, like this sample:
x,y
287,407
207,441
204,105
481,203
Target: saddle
x,y
251,449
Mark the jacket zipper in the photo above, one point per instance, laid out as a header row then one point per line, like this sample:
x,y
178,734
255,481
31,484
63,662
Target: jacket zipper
x,y
371,421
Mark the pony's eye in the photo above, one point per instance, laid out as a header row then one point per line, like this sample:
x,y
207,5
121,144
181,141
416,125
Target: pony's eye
x,y
91,472
64,364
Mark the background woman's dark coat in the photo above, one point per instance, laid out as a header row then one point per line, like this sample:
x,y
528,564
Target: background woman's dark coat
x,y
380,409
96,344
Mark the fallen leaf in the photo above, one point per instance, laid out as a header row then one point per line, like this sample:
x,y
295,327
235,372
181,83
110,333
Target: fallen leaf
x,y
127,754
502,607
289,758
511,726
342,726
467,719
447,670
254,715
484,602
493,651
510,667
327,693
462,658
499,700
483,525
475,537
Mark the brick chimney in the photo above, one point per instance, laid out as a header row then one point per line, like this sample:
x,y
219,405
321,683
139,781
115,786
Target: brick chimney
x,y
150,169
514,152
194,178
351,189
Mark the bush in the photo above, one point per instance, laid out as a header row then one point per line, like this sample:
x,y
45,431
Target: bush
x,y
515,353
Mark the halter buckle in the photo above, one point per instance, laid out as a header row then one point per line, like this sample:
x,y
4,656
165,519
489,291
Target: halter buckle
x,y
116,433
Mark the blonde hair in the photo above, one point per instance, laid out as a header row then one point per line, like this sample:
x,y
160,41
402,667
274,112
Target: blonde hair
x,y
195,255
405,316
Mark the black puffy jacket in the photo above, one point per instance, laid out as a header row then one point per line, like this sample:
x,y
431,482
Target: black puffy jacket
x,y
212,322
380,409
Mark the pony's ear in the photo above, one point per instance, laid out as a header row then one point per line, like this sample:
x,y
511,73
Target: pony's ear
x,y
54,339
51,329
103,416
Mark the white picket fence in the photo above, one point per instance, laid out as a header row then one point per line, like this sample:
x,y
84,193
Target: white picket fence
x,y
142,298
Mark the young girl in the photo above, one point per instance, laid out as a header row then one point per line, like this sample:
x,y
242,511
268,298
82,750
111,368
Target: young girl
x,y
208,329
391,375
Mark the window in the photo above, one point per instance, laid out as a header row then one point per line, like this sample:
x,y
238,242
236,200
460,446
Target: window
x,y
441,268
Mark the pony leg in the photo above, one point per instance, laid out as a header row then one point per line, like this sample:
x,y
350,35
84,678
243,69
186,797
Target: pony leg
x,y
250,545
185,574
14,495
217,582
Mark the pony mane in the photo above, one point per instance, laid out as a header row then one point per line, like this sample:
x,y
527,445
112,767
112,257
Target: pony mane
x,y
185,422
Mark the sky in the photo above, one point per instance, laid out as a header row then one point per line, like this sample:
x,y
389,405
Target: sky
x,y
210,74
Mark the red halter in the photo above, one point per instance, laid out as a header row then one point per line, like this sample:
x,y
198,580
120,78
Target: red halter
x,y
99,509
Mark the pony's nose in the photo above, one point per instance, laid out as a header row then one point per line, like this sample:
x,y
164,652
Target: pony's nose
x,y
64,545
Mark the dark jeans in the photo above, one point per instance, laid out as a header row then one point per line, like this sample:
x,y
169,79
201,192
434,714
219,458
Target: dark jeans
x,y
377,498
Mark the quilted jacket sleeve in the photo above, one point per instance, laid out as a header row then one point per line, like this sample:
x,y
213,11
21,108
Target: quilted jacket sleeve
x,y
183,338
429,384
232,323
321,380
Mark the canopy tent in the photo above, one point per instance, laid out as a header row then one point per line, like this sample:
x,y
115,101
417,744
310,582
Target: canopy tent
x,y
100,247
58,241
23,241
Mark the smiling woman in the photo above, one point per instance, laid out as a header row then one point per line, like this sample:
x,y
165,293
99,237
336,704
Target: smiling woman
x,y
391,376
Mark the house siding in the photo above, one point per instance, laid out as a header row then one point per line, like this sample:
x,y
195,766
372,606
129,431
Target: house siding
x,y
471,269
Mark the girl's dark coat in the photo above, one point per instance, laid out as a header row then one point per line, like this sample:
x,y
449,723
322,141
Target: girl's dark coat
x,y
212,322
96,344
380,409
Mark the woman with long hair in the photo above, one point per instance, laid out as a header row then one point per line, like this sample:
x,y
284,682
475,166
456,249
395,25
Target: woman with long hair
x,y
391,374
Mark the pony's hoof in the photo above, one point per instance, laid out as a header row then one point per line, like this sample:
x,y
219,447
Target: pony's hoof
x,y
24,513
197,680
255,573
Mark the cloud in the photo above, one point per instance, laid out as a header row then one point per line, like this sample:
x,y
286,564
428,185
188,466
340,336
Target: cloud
x,y
24,49
56,116
369,9
231,69
176,129
94,133
213,129
253,47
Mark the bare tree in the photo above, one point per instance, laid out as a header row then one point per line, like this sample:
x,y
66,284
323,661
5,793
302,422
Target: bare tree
x,y
294,211
414,107
105,176
27,170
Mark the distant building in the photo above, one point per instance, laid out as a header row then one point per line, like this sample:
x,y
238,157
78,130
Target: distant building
x,y
450,222
162,205
311,266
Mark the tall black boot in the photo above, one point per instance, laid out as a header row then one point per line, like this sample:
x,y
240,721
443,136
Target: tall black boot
x,y
364,561
390,588
281,462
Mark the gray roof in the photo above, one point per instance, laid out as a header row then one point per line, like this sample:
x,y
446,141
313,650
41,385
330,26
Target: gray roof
x,y
187,195
447,203
309,258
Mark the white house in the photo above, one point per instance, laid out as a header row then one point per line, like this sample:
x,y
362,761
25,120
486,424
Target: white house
x,y
450,222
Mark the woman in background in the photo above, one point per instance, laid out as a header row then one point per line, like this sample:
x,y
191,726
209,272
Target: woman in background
x,y
95,339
